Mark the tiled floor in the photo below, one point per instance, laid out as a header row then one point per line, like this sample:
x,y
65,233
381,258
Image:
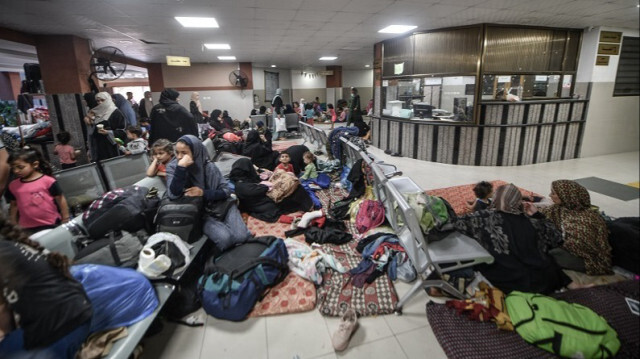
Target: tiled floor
x,y
308,335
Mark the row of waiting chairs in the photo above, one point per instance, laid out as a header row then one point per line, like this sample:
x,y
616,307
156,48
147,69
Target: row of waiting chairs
x,y
291,120
313,135
430,260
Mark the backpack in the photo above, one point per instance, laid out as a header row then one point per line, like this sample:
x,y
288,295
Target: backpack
x,y
565,329
120,249
370,215
129,208
182,216
431,211
233,282
164,255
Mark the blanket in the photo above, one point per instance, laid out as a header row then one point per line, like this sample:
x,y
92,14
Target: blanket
x,y
463,338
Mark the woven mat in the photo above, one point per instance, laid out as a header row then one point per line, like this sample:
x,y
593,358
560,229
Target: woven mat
x,y
282,145
463,338
293,294
458,196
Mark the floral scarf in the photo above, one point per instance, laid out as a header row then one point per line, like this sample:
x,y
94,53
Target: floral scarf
x,y
583,229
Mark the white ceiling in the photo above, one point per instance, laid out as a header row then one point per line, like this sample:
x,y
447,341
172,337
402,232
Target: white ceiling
x,y
288,33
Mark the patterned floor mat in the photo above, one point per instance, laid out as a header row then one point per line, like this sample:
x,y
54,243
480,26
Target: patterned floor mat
x,y
463,338
458,196
283,145
293,294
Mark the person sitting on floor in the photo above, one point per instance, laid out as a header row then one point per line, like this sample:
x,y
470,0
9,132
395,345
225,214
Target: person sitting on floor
x,y
310,171
191,174
256,147
52,310
586,246
518,244
483,191
285,164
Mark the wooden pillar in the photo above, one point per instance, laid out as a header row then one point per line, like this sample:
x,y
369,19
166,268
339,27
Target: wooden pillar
x,y
156,79
9,85
64,63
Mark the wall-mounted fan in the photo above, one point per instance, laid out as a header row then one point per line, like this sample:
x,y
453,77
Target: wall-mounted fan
x,y
238,79
106,64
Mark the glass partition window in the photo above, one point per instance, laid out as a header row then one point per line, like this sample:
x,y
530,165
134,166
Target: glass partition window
x,y
430,98
526,87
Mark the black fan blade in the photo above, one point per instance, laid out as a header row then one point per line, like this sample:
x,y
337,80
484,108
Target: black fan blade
x,y
113,71
104,68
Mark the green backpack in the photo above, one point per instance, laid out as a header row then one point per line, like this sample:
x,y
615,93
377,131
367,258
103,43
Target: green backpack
x,y
565,329
430,210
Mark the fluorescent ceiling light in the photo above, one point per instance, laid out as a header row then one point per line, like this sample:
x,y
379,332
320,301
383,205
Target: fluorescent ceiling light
x,y
327,58
273,65
367,65
226,57
397,29
197,21
217,46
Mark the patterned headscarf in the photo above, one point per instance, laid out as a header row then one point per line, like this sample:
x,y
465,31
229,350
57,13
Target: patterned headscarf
x,y
584,230
508,199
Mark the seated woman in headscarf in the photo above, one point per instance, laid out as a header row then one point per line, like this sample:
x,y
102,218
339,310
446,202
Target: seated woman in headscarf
x,y
191,174
227,120
253,195
218,122
518,244
107,123
127,110
171,120
586,245
255,146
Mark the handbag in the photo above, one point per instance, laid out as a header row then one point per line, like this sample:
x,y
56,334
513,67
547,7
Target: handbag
x,y
219,209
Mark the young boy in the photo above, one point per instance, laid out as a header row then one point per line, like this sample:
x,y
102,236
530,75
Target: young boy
x,y
136,143
483,191
284,163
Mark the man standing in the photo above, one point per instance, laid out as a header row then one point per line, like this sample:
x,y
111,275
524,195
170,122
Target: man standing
x,y
146,104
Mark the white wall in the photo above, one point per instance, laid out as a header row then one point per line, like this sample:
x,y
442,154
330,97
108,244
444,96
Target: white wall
x,y
613,123
357,78
301,82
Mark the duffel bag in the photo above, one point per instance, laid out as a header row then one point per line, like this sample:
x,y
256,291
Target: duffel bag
x,y
234,281
119,249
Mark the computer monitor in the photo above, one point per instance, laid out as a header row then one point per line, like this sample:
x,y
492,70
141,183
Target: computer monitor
x,y
422,110
125,170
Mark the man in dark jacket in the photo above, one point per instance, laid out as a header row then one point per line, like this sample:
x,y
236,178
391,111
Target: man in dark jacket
x,y
171,120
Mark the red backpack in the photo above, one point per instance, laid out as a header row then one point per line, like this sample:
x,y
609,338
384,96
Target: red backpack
x,y
370,215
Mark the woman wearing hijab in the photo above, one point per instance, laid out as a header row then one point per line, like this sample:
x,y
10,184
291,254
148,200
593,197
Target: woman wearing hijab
x,y
518,244
216,120
171,120
251,194
146,105
191,174
227,120
586,245
107,123
127,110
276,102
261,154
196,108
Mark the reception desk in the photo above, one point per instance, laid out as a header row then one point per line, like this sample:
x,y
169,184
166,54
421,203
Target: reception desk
x,y
507,134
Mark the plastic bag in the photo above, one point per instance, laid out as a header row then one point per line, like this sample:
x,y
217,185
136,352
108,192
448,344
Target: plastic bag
x,y
120,296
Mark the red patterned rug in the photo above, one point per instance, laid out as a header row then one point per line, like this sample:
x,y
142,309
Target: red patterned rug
x,y
282,145
458,196
293,294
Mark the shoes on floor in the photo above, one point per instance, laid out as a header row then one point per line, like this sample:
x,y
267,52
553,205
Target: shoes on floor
x,y
314,186
348,324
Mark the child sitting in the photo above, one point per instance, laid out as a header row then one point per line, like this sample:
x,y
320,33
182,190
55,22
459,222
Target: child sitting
x,y
310,172
136,144
483,191
162,151
285,164
65,152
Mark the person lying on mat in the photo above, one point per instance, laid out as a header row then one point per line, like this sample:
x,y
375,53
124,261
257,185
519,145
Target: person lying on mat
x,y
586,240
518,244
191,174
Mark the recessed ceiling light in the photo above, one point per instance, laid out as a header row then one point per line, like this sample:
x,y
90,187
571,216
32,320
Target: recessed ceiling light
x,y
126,42
217,46
226,57
328,58
367,65
273,65
397,29
197,21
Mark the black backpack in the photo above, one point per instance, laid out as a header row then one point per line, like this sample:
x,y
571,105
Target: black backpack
x,y
182,216
130,208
